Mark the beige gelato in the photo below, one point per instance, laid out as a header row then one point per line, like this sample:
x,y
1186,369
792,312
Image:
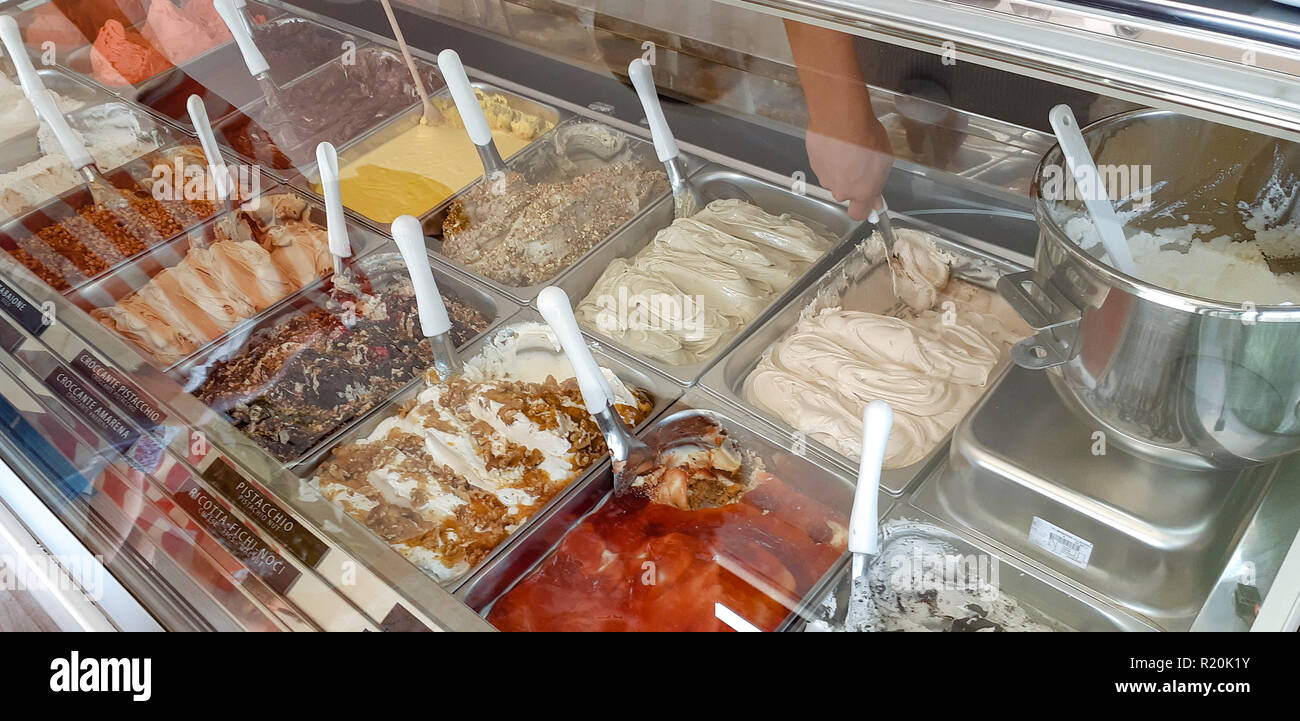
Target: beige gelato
x,y
931,364
16,114
700,281
277,251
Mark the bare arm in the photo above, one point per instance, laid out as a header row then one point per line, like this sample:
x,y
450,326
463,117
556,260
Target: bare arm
x,y
848,148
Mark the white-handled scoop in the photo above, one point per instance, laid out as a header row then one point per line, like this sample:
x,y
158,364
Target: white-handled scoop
x,y
471,113
856,605
104,192
630,455
1088,180
434,321
232,15
686,199
47,109
13,43
241,9
327,160
221,177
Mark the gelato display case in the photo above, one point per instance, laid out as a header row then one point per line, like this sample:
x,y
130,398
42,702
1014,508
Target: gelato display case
x,y
216,420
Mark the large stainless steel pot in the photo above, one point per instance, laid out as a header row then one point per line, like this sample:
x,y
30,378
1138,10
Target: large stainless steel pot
x,y
1183,380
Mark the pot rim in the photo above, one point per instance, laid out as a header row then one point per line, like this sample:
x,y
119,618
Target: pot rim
x,y
1128,283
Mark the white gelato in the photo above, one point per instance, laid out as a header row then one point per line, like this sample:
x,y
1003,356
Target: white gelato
x,y
113,136
1194,260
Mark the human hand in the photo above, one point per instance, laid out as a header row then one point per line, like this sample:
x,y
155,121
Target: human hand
x,y
853,166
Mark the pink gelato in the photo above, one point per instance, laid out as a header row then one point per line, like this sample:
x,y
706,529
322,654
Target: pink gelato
x,y
180,34
123,57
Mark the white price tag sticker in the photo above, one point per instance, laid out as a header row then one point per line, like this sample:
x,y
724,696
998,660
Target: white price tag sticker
x,y
1060,542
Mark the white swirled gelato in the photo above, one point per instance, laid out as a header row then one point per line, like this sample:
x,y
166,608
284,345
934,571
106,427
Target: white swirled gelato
x,y
113,135
700,281
449,478
930,364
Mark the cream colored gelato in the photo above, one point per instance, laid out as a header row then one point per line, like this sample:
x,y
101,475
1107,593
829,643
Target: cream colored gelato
x,y
16,114
700,281
447,480
913,585
929,364
113,136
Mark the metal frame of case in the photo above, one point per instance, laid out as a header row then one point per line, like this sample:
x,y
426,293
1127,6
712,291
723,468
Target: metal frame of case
x,y
1146,59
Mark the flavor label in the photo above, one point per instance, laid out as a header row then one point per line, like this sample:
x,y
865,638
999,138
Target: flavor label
x,y
1060,542
400,620
119,390
15,306
87,405
239,539
265,511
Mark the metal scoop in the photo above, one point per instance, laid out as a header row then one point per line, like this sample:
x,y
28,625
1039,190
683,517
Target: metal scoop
x,y
471,113
631,457
686,199
221,178
864,520
104,192
327,160
434,320
260,70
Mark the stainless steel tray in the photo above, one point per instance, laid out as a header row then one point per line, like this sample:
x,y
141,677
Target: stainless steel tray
x,y
78,61
808,472
536,163
254,111
406,120
109,288
433,221
222,72
714,181
26,148
663,391
854,273
22,229
1151,538
1044,598
192,371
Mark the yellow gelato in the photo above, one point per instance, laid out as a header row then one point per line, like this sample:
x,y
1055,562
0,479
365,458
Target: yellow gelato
x,y
424,165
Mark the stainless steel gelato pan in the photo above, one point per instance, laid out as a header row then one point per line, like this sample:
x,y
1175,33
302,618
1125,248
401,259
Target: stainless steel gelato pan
x,y
857,282
661,390
809,481
929,576
714,182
